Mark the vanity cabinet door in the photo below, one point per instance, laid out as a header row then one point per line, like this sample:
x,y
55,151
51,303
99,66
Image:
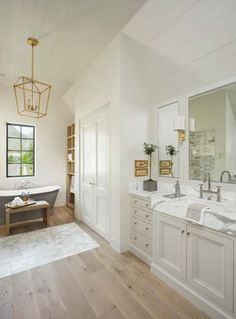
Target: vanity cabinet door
x,y
210,265
171,245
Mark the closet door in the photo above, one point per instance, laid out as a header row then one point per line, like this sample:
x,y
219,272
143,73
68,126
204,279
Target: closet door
x,y
88,169
102,183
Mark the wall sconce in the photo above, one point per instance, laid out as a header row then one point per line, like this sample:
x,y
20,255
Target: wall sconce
x,y
191,125
179,125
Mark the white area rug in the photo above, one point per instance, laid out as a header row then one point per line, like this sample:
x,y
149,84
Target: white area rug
x,y
29,250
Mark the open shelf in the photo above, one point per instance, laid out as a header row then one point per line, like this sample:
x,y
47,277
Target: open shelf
x,y
70,197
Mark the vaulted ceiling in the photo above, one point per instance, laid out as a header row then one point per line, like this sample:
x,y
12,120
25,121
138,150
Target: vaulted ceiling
x,y
181,45
71,35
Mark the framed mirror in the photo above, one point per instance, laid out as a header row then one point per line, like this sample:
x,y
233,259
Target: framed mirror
x,y
212,134
168,138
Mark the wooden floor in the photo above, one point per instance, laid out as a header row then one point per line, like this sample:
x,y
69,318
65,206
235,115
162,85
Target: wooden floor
x,y
98,284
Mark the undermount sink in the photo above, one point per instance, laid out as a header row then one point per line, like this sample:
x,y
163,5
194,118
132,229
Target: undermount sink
x,y
174,196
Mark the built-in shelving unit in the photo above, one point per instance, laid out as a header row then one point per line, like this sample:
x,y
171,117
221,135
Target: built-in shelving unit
x,y
70,165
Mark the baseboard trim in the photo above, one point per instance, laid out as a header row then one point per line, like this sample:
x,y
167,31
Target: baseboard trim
x,y
195,298
119,246
137,252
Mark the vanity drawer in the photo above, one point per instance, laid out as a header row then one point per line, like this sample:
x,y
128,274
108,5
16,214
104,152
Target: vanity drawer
x,y
141,242
141,226
147,215
140,202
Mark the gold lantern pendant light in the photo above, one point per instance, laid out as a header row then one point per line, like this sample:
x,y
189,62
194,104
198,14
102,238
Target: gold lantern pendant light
x,y
32,97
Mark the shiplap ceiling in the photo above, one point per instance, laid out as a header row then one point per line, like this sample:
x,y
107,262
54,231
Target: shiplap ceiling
x,y
71,33
182,45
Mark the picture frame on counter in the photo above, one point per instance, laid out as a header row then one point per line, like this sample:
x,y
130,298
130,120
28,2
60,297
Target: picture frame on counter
x,y
141,164
139,172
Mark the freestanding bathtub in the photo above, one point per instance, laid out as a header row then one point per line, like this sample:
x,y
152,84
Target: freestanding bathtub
x,y
48,193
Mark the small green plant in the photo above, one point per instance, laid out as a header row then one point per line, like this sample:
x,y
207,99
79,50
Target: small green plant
x,y
148,150
171,150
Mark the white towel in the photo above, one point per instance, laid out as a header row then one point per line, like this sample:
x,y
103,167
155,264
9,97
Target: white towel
x,y
72,185
195,212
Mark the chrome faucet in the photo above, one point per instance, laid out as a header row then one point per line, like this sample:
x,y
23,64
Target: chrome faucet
x,y
207,177
222,175
209,191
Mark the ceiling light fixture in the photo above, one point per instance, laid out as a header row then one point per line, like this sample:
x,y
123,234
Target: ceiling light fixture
x,y
32,97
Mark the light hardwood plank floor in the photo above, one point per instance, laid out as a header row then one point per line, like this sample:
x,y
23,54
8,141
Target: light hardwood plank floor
x,y
98,284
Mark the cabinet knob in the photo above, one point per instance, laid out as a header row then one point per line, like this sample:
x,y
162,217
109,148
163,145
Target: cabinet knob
x,y
147,245
147,205
135,238
135,211
135,223
147,228
147,216
135,201
182,231
188,233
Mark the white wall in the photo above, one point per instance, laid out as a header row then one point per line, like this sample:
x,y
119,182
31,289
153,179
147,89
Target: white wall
x,y
135,129
101,85
50,143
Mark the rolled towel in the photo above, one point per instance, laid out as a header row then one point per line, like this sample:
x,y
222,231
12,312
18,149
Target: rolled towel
x,y
195,212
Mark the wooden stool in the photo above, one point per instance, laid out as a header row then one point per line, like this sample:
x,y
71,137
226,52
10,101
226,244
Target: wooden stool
x,y
37,206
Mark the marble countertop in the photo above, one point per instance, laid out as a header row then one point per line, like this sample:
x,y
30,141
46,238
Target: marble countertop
x,y
220,216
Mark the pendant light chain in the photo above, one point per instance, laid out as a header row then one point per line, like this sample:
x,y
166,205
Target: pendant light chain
x,y
32,62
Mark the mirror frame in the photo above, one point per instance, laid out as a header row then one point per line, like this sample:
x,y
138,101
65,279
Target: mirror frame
x,y
158,166
196,93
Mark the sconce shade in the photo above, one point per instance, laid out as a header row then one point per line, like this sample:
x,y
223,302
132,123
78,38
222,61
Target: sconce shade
x,y
179,123
192,125
32,97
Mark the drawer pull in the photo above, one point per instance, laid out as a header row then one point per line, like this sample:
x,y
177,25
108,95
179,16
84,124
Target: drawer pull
x,y
135,238
135,223
147,228
147,245
182,231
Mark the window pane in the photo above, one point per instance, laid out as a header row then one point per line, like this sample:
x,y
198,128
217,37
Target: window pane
x,y
27,132
13,157
27,170
14,144
27,158
13,131
27,145
13,169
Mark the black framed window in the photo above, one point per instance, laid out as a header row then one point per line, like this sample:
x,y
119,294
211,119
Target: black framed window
x,y
20,150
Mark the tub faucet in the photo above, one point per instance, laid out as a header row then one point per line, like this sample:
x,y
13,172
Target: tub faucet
x,y
222,175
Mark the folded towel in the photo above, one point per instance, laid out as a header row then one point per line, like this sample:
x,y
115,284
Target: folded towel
x,y
195,212
72,185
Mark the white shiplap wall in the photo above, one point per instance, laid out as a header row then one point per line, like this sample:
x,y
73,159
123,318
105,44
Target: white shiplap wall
x,y
181,45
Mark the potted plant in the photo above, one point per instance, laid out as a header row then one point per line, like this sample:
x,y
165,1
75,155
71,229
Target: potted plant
x,y
171,151
149,185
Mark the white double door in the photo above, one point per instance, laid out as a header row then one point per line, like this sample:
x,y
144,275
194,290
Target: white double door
x,y
95,172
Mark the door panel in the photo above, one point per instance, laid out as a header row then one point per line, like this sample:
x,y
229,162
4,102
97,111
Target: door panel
x,y
171,245
210,265
88,169
95,171
101,189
